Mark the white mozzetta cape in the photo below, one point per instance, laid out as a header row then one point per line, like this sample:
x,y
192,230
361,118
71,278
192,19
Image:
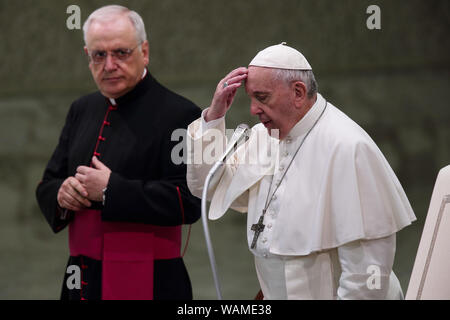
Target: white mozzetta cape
x,y
339,188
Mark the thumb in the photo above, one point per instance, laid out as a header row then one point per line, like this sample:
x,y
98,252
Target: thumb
x,y
97,163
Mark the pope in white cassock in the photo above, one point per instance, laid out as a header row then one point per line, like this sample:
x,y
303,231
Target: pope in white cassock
x,y
323,203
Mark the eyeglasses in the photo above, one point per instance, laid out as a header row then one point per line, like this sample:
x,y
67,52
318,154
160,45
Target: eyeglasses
x,y
121,54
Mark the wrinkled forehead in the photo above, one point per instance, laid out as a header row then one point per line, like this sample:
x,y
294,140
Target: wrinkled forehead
x,y
259,79
112,32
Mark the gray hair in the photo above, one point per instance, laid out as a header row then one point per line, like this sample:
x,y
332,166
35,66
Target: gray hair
x,y
107,13
305,76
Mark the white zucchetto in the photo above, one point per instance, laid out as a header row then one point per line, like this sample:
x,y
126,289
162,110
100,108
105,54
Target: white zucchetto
x,y
281,56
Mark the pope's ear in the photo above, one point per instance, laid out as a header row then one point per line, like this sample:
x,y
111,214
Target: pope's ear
x,y
301,92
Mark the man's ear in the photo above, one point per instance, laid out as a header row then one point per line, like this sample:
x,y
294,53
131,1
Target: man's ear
x,y
87,54
146,52
300,92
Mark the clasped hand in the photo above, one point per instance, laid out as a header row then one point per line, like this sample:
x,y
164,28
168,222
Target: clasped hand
x,y
76,193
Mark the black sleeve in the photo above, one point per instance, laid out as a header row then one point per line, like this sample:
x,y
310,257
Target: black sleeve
x,y
164,202
54,175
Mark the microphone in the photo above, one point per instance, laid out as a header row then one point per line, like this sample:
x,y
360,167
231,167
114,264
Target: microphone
x,y
239,134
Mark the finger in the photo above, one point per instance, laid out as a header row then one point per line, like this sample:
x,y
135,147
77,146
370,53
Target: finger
x,y
80,177
64,198
83,169
97,163
219,103
236,79
69,206
67,202
231,96
75,199
76,186
236,72
65,205
231,89
229,93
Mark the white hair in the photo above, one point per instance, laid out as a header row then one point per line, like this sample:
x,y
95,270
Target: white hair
x,y
108,13
305,76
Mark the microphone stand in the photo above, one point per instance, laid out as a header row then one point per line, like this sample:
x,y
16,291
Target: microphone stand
x,y
212,259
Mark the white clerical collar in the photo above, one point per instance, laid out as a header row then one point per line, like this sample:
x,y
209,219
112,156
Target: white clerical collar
x,y
309,119
113,101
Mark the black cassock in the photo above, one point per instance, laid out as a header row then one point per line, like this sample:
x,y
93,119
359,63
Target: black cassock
x,y
133,139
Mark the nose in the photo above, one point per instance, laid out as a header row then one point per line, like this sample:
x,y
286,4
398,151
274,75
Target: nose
x,y
254,108
110,64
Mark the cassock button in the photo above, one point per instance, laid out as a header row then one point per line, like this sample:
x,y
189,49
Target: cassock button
x,y
281,168
264,240
270,225
288,140
265,255
274,197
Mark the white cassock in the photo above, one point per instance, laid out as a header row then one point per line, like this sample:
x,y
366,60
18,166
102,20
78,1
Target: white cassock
x,y
330,227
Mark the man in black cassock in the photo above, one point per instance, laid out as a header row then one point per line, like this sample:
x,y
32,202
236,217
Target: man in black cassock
x,y
111,178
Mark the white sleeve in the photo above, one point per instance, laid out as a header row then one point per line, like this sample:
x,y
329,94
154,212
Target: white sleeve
x,y
366,268
210,124
205,143
202,139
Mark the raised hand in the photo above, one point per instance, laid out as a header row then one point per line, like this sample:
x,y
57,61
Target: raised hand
x,y
225,93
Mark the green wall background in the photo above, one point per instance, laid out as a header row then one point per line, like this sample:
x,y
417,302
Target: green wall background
x,y
394,82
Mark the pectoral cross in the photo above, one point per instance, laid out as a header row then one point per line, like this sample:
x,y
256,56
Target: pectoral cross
x,y
258,228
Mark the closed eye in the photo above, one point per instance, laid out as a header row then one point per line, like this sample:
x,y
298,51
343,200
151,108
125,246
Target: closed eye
x,y
261,98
